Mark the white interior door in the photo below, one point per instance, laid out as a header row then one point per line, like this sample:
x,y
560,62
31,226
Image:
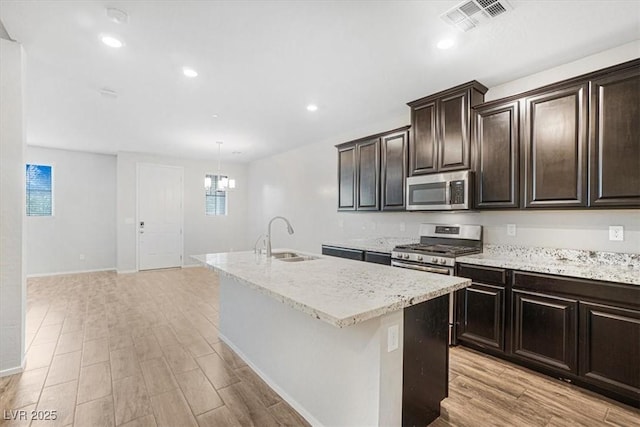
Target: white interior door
x,y
159,222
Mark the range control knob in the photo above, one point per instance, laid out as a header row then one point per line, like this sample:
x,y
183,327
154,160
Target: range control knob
x,y
405,256
443,261
419,258
434,260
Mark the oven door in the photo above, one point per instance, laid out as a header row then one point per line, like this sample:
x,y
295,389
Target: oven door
x,y
438,269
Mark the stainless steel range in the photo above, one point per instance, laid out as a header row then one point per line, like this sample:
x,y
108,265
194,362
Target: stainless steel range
x,y
439,246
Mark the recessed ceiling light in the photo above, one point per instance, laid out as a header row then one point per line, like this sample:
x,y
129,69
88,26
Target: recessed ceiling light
x,y
445,44
111,41
236,152
312,107
215,116
189,72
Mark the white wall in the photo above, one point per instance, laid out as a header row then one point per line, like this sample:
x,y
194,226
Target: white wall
x,y
84,220
12,208
202,234
301,185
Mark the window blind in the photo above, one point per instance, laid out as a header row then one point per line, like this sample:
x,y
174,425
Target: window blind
x,y
39,182
215,200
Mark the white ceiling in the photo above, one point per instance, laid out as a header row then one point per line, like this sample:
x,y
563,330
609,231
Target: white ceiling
x,y
261,62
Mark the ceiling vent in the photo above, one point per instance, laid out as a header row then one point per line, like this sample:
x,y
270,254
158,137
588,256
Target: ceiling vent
x,y
471,13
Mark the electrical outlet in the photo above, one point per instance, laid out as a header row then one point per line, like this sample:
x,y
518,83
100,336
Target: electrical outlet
x,y
392,338
402,226
340,223
81,257
616,232
511,230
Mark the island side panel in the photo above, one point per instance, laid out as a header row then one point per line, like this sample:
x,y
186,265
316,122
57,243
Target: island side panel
x,y
330,375
426,361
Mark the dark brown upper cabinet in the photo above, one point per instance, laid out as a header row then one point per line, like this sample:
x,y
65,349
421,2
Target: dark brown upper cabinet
x,y
497,143
555,144
440,139
347,178
394,170
614,158
368,175
372,172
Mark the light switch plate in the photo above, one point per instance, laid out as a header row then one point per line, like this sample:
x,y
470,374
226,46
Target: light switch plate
x,y
392,338
616,232
511,229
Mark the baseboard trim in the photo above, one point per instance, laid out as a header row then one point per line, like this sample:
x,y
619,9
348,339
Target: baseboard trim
x,y
62,273
294,404
191,265
13,371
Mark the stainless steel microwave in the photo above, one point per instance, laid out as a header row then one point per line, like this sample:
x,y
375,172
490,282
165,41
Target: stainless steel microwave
x,y
440,192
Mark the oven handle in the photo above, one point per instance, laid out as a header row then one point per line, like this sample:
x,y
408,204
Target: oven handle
x,y
420,267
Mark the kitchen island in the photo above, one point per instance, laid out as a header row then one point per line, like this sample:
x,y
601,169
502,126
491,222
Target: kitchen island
x,y
343,342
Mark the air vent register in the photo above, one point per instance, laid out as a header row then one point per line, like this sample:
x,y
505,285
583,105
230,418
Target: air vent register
x,y
471,13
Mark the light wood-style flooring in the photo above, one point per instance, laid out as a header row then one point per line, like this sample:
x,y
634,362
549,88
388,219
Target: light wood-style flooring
x,y
143,350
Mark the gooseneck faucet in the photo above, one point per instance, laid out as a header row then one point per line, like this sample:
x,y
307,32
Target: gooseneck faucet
x,y
289,230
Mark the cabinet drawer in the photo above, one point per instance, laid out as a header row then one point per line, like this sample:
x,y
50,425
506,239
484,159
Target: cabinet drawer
x,y
356,254
377,257
481,274
618,293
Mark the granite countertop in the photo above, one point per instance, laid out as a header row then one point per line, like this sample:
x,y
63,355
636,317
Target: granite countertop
x,y
338,291
605,266
373,244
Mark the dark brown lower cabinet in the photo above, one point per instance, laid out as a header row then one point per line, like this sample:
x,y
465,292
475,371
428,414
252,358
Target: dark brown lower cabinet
x,y
356,254
545,330
481,314
609,344
481,308
585,332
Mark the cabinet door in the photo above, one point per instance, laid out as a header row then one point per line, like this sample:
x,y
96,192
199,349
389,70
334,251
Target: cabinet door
x,y
347,178
368,182
497,143
356,254
556,148
377,258
394,171
545,330
454,145
422,150
481,315
615,140
610,348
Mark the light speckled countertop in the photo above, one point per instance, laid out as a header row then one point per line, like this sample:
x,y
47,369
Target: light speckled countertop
x,y
339,291
605,266
373,244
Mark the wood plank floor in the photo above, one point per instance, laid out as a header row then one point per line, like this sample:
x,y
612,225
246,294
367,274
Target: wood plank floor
x,y
143,350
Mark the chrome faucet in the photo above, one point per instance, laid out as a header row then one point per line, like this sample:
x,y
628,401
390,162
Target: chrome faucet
x,y
289,230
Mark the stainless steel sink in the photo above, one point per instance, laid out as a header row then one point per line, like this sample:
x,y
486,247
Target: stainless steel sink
x,y
291,257
298,258
284,255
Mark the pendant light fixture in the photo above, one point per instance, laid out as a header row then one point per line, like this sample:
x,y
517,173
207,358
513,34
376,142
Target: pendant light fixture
x,y
224,182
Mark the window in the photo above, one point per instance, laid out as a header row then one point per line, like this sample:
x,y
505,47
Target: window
x,y
215,199
39,190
